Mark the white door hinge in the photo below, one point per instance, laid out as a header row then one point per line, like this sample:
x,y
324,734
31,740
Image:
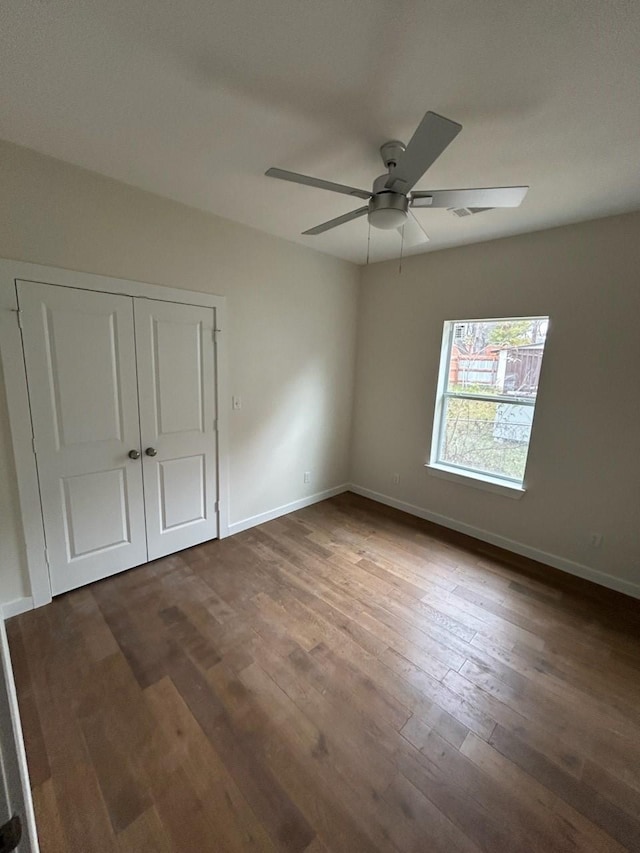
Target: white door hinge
x,y
19,316
46,557
33,444
216,506
215,425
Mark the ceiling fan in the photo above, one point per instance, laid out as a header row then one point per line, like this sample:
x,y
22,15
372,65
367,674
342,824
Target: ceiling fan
x,y
390,202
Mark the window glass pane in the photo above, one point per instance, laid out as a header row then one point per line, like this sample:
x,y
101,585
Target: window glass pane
x,y
497,356
486,437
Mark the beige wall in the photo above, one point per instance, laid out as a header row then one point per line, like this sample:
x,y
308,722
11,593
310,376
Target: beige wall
x,y
583,474
291,312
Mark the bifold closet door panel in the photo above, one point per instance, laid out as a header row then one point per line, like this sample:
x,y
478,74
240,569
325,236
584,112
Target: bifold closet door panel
x,y
177,396
81,368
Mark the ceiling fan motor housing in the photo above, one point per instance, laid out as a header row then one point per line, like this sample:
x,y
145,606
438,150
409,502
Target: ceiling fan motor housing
x,y
388,210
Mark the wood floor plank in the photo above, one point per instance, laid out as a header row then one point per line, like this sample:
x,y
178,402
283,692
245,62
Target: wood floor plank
x,y
80,805
331,758
579,730
351,739
584,799
557,822
37,758
146,835
612,788
211,707
469,798
296,755
51,834
423,820
236,825
316,846
125,794
346,679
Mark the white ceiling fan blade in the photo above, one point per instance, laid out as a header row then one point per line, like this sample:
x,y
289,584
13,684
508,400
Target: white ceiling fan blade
x,y
295,178
414,234
339,220
432,136
488,197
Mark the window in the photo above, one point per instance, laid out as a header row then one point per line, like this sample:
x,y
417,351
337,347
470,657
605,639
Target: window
x,y
489,373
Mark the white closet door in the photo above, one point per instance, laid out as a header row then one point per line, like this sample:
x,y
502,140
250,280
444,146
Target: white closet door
x,y
176,382
80,359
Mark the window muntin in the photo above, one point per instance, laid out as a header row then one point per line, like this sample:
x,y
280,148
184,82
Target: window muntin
x,y
489,375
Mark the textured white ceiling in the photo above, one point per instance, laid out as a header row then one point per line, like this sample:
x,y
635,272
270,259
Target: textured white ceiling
x,y
195,99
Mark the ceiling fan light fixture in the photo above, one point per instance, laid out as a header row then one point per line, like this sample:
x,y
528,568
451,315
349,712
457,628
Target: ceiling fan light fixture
x,y
387,218
388,211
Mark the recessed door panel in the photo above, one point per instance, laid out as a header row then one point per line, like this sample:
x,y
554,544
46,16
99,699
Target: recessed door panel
x,y
183,494
101,494
179,395
80,359
84,374
176,380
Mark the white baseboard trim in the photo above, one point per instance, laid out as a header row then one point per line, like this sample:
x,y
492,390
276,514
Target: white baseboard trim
x,y
285,509
569,566
14,608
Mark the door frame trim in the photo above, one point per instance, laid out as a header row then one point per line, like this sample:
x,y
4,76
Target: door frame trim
x,y
19,787
17,393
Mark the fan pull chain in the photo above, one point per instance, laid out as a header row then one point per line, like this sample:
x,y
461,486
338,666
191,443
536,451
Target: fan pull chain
x,y
368,242
401,250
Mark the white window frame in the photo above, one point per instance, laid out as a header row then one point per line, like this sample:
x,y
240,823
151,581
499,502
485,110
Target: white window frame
x,y
508,486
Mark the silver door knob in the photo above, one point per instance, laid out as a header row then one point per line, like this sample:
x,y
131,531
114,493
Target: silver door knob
x,y
151,451
134,454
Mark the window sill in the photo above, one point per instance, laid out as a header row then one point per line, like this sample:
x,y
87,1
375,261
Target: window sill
x,y
476,481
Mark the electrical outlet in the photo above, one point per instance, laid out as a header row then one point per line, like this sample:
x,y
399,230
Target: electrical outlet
x,y
307,476
595,540
236,403
396,479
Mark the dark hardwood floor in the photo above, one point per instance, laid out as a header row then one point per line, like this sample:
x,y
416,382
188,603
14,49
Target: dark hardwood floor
x,y
346,678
